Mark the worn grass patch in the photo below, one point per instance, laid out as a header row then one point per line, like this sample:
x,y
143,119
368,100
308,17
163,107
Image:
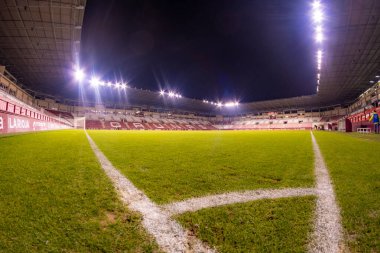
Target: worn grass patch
x,y
56,198
175,165
354,166
280,225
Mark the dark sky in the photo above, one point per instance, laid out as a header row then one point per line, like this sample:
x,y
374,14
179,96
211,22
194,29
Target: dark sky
x,y
206,49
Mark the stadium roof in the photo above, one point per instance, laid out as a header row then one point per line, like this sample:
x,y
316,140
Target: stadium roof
x,y
39,40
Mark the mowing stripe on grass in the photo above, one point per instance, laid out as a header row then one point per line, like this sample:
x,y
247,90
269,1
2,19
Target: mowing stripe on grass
x,y
195,204
170,236
327,236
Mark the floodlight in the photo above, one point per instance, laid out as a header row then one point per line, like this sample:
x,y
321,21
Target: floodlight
x,y
79,74
316,4
109,84
171,94
95,81
317,16
219,104
319,37
162,92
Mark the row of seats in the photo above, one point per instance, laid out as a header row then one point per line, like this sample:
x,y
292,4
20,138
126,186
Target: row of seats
x,y
288,126
276,121
101,124
144,119
60,114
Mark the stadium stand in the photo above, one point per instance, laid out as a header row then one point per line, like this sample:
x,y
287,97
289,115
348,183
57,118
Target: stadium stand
x,y
18,114
16,101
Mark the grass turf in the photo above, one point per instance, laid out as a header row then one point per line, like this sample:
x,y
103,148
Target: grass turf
x,y
370,137
55,198
281,225
174,165
354,166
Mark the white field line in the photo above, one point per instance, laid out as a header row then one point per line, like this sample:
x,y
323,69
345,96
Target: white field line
x,y
195,204
169,235
327,236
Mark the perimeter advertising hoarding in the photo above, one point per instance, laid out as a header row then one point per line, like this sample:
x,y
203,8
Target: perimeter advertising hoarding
x,y
15,124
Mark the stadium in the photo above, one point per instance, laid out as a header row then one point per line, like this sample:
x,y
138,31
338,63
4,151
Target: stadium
x,y
189,126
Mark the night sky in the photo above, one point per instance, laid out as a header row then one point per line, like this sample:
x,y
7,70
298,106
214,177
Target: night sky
x,y
204,49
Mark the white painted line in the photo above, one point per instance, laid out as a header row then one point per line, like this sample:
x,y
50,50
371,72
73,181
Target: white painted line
x,y
327,236
169,235
195,204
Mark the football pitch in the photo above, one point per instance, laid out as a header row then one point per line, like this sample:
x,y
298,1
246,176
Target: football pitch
x,y
231,191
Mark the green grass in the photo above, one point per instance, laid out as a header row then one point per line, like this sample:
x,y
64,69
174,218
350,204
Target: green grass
x,y
174,165
354,166
281,225
370,137
56,198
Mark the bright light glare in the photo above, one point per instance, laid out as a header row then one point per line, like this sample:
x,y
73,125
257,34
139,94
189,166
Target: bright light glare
x,y
95,81
319,54
162,92
316,4
318,16
79,74
317,12
171,94
231,104
319,37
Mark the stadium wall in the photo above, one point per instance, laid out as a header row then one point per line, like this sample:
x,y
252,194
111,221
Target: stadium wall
x,y
15,117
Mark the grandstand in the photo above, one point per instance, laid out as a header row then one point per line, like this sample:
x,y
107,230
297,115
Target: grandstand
x,y
169,173
346,118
